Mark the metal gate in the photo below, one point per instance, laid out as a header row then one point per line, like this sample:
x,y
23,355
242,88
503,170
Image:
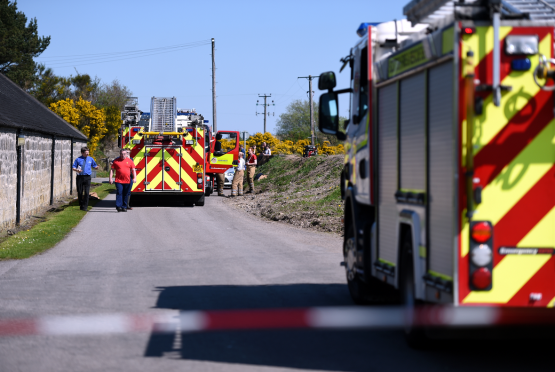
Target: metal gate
x,y
163,169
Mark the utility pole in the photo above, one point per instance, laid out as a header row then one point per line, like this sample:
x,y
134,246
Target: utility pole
x,y
265,106
245,141
310,93
214,121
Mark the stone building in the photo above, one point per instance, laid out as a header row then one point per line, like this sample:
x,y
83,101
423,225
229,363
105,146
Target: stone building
x,y
37,149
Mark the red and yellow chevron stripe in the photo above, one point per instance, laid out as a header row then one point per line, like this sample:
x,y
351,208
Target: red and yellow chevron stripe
x,y
168,167
514,161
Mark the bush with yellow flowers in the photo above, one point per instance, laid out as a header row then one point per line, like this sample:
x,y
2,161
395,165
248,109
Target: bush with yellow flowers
x,y
86,117
288,147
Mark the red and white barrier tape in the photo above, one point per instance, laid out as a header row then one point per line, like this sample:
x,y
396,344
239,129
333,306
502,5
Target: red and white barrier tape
x,y
317,318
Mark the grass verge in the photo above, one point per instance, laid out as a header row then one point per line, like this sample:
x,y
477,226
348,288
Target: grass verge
x,y
44,235
300,191
102,174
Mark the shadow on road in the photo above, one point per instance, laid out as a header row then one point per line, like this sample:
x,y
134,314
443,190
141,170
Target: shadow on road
x,y
345,350
151,200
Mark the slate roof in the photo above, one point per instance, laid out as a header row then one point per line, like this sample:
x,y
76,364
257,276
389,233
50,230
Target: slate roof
x,y
18,109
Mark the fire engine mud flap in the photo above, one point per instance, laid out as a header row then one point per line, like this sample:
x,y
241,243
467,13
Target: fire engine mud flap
x,y
362,219
412,220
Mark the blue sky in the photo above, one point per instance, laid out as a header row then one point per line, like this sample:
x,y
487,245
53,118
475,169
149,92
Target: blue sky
x,y
261,47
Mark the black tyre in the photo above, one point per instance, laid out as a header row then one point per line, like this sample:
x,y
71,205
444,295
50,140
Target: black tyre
x,y
362,293
415,336
200,201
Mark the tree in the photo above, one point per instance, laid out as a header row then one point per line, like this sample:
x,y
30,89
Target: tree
x,y
19,44
84,116
112,98
294,123
113,94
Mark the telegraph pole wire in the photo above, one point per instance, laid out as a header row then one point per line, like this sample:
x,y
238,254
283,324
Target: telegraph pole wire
x,y
265,107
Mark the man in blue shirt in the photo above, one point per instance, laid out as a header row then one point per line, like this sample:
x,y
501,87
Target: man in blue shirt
x,y
83,166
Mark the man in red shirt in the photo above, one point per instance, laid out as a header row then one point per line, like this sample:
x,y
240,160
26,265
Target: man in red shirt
x,y
251,169
124,167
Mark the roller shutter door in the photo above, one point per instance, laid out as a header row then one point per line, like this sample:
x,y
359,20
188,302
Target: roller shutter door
x,y
413,133
441,151
387,134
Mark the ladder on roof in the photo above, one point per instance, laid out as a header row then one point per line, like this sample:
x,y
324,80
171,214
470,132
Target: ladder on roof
x,y
163,113
431,11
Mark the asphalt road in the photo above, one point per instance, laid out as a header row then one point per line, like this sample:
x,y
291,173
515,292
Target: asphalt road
x,y
160,256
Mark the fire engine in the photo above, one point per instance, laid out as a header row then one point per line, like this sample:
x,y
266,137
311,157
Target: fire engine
x,y
449,175
170,149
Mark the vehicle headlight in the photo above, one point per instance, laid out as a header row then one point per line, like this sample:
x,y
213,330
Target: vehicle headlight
x,y
521,44
481,255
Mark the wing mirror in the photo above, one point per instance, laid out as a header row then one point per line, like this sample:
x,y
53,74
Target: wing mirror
x,y
327,81
328,113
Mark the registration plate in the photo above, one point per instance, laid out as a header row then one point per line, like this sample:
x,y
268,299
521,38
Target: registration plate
x,y
197,168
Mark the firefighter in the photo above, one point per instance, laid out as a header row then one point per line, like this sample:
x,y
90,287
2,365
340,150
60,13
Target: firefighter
x,y
238,177
220,178
251,169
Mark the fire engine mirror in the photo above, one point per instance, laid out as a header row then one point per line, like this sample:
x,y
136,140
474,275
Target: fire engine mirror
x,y
328,118
327,81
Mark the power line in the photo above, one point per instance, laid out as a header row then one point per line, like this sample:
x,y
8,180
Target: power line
x,y
121,57
193,43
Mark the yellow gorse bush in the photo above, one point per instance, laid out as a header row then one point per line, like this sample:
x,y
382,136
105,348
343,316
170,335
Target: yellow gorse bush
x,y
84,116
288,147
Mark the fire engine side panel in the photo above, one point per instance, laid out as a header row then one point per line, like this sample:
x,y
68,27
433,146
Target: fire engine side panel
x,y
441,152
387,181
413,134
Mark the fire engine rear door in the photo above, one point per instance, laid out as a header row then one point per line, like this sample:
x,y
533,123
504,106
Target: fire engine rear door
x,y
163,169
171,174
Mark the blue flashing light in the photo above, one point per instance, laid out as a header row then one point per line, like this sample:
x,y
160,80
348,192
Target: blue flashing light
x,y
363,28
135,129
189,129
207,121
521,64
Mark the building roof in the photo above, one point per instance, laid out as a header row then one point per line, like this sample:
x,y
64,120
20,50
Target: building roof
x,y
18,109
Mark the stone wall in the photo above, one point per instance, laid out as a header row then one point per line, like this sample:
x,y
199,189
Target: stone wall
x,y
8,178
36,176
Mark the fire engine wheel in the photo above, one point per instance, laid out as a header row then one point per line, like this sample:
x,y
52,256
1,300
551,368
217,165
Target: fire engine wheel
x,y
361,292
415,336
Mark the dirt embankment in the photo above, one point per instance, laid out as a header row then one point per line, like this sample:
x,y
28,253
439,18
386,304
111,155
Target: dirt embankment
x,y
300,191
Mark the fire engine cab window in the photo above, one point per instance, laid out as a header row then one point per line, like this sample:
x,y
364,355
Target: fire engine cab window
x,y
228,142
363,90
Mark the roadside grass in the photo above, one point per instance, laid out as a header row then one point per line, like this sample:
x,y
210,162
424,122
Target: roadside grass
x,y
102,174
301,191
55,226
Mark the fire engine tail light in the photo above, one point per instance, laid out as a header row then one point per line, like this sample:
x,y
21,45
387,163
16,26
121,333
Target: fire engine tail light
x,y
481,256
481,278
199,180
468,30
481,232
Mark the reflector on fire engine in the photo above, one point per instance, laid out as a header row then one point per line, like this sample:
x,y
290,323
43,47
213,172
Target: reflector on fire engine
x,y
521,44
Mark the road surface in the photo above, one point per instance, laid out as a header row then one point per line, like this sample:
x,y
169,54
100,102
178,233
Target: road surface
x,y
210,258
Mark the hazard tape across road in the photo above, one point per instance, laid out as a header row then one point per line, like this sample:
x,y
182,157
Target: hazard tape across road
x,y
315,318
